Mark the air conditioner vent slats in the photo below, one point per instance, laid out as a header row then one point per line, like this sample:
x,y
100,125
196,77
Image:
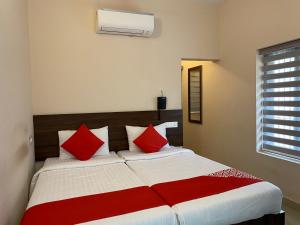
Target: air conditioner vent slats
x,y
122,30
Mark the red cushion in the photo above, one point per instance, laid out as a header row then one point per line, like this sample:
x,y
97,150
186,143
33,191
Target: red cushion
x,y
150,140
83,144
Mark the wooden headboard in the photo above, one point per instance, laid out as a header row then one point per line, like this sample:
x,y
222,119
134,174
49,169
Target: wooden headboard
x,y
46,128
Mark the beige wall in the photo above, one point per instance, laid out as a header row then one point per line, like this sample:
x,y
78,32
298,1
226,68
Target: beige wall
x,y
228,133
76,70
193,132
16,156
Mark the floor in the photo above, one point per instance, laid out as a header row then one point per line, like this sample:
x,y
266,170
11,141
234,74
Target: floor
x,y
292,212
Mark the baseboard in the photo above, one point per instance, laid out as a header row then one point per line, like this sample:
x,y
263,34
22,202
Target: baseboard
x,y
291,204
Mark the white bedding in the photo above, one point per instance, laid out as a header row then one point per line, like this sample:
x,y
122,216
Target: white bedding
x,y
64,179
235,206
169,151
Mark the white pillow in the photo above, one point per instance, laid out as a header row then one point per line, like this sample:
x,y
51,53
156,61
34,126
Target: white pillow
x,y
133,132
101,133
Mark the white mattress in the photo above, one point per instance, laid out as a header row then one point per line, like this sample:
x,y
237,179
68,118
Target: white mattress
x,y
64,179
235,206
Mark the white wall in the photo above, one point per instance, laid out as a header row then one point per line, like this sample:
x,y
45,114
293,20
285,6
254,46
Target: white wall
x,y
228,133
16,156
76,70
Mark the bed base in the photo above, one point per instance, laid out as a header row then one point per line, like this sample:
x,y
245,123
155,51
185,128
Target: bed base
x,y
272,219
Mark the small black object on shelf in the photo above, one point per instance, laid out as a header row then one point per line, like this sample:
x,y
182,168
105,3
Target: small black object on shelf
x,y
161,103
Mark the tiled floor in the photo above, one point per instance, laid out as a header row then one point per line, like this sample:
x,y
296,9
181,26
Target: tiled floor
x,y
292,213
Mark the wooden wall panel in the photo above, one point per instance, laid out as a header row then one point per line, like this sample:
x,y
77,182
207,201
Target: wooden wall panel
x,y
46,128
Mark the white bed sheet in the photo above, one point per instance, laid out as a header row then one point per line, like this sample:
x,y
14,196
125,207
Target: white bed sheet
x,y
165,152
64,179
235,206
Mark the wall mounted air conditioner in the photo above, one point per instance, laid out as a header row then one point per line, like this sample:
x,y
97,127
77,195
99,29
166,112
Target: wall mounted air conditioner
x,y
125,23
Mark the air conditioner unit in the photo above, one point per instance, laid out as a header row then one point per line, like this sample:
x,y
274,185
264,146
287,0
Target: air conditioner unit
x,y
125,23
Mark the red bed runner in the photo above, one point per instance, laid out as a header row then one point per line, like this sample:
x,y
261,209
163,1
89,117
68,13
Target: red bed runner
x,y
175,192
92,207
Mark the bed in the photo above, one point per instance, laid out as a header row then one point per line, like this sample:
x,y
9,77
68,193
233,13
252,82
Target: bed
x,y
102,190
47,146
230,207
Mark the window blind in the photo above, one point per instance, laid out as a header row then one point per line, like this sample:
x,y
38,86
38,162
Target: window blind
x,y
195,92
279,99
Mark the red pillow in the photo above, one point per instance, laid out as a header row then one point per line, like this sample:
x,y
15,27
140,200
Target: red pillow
x,y
83,144
150,140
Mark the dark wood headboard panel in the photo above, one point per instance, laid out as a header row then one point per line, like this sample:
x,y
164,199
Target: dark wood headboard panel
x,y
46,128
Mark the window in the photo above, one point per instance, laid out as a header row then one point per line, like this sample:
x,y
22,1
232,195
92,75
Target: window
x,y
278,100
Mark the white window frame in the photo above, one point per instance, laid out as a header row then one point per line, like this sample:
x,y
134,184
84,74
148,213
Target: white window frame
x,y
279,153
